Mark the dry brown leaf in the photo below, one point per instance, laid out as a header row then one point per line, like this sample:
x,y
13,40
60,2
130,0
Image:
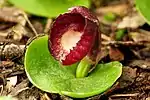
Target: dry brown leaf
x,y
45,97
144,64
19,87
12,80
12,14
120,9
18,31
12,51
115,54
133,21
148,98
6,64
142,36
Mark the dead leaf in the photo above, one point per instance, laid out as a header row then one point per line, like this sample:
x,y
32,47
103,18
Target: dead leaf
x,y
144,64
148,98
6,64
142,36
105,37
5,25
12,80
30,94
144,53
120,9
12,51
12,14
19,87
18,32
63,97
2,79
102,54
115,54
45,97
133,21
38,25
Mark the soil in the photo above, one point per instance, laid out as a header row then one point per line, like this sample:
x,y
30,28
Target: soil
x,y
132,51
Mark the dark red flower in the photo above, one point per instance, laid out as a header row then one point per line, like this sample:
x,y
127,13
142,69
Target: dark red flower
x,y
73,35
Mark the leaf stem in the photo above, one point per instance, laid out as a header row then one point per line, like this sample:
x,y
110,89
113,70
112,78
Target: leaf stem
x,y
83,68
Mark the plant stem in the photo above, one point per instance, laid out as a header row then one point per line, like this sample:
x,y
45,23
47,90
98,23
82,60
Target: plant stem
x,y
83,68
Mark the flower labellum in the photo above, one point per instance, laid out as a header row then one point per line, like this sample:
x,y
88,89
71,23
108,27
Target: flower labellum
x,y
74,35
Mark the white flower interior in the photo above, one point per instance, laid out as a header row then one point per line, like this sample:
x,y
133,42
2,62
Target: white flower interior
x,y
70,39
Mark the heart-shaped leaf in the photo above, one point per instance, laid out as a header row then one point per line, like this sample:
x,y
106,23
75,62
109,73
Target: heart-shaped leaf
x,y
48,8
143,6
49,75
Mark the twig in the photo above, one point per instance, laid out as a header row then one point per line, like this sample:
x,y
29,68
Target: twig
x,y
16,73
31,39
2,40
2,88
105,37
45,96
125,95
48,25
127,43
23,89
20,87
31,26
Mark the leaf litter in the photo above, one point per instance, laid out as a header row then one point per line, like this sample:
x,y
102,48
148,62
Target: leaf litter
x,y
134,83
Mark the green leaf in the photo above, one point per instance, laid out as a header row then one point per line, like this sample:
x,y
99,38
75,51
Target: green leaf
x,y
48,8
110,17
120,33
143,6
49,75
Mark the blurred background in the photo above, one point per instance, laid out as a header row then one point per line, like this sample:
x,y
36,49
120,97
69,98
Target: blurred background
x,y
125,33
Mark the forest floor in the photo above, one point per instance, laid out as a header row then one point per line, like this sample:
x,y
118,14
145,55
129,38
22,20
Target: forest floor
x,y
125,38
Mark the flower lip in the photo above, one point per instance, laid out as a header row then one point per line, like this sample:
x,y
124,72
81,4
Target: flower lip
x,y
77,27
70,39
